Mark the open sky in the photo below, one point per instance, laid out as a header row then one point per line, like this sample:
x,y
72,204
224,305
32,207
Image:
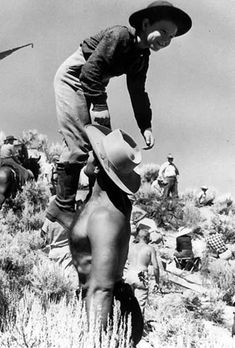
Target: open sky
x,y
191,84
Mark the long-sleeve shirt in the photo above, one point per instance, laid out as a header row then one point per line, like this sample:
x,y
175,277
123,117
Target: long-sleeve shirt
x,y
113,52
168,169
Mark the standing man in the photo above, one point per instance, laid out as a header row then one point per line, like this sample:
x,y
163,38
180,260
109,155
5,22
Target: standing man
x,y
100,232
80,88
140,257
168,174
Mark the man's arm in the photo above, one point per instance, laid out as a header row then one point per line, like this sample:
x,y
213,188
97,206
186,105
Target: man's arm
x,y
136,78
176,170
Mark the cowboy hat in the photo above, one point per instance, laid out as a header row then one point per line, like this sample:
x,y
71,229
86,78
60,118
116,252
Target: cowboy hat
x,y
118,154
204,187
137,214
182,231
147,224
159,10
10,137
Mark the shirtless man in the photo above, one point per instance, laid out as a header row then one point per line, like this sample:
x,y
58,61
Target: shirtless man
x,y
100,234
140,257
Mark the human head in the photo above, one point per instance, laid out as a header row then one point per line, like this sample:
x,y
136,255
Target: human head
x,y
162,21
170,158
204,188
117,154
92,166
143,235
10,139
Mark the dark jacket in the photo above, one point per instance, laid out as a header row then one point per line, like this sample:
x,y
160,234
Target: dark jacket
x,y
113,52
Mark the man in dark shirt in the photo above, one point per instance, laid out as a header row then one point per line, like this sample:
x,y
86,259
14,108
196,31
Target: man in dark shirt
x,y
80,88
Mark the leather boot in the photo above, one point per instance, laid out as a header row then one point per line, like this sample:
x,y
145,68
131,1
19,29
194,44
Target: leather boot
x,y
62,208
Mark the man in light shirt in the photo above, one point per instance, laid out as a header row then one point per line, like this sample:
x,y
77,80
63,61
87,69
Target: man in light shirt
x,y
8,148
168,174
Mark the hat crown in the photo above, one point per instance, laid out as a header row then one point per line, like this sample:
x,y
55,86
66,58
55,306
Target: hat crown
x,y
121,151
10,137
159,3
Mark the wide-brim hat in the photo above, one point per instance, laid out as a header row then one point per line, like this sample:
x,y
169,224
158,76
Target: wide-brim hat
x,y
204,188
137,214
10,137
118,154
163,10
170,156
147,224
182,231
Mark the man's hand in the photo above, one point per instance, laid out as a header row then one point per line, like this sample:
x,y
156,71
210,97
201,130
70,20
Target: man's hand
x,y
149,139
100,117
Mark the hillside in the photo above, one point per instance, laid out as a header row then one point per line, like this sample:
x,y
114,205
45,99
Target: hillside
x,y
38,306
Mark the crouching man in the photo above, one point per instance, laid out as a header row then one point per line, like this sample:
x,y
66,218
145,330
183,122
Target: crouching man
x,y
99,235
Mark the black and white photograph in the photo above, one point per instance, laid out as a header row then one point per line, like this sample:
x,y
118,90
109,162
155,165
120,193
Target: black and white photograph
x,y
117,174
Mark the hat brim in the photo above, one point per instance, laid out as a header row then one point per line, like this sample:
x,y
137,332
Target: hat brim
x,y
11,138
185,231
176,15
128,183
204,188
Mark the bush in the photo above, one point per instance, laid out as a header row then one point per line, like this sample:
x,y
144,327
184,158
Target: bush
x,y
48,281
224,225
149,172
61,325
18,253
191,215
27,210
222,275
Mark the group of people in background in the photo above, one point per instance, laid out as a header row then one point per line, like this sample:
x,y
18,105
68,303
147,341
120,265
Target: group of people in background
x,y
109,158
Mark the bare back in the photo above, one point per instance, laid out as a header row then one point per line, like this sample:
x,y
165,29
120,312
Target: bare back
x,y
140,256
102,230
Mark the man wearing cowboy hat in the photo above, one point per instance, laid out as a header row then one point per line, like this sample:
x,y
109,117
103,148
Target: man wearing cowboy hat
x,y
8,149
168,173
100,234
203,198
80,88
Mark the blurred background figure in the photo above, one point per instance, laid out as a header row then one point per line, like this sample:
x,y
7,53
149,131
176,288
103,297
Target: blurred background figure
x,y
184,243
141,256
168,177
217,246
8,150
204,199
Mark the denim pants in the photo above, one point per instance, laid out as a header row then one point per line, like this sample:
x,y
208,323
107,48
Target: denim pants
x,y
72,109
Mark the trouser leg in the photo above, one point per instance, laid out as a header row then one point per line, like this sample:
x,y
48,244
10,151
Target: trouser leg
x,y
62,208
72,114
175,189
166,191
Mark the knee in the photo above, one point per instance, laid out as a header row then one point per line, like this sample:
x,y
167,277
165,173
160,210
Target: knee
x,y
104,289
